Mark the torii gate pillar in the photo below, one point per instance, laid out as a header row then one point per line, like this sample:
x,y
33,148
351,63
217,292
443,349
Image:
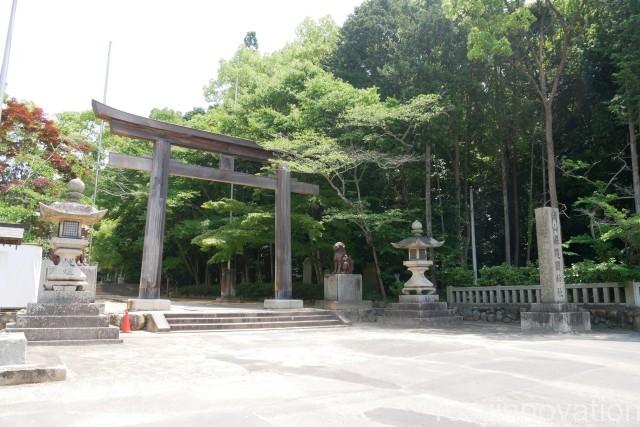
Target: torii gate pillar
x,y
283,233
150,274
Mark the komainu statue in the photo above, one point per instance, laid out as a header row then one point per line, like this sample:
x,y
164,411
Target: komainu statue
x,y
342,262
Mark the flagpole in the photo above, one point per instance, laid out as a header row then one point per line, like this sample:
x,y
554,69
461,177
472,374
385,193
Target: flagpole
x,y
7,52
99,146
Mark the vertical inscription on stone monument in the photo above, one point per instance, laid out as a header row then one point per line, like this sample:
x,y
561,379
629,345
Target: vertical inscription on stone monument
x,y
550,255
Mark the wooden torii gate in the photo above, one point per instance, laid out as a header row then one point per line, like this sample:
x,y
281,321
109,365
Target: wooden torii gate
x,y
161,166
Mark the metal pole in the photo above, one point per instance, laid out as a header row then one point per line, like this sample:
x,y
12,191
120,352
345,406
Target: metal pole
x,y
7,52
99,147
473,240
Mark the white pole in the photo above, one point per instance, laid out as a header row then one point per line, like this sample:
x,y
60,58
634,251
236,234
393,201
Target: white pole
x,y
99,146
7,52
473,240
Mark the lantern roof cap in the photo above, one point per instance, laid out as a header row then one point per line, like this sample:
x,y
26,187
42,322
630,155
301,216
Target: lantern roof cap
x,y
417,241
71,209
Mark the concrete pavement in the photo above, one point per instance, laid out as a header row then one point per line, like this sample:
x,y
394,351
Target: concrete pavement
x,y
359,376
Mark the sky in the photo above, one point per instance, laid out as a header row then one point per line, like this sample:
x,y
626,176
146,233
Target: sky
x,y
163,51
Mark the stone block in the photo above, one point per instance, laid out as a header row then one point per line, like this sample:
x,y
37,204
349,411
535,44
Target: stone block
x,y
137,321
13,348
77,309
577,321
343,287
141,304
65,297
39,369
156,322
419,299
283,303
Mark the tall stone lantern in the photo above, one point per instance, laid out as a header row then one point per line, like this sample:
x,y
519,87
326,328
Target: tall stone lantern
x,y
67,248
65,312
419,305
418,261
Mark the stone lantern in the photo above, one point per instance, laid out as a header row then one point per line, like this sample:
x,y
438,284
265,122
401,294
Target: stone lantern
x,y
67,248
418,261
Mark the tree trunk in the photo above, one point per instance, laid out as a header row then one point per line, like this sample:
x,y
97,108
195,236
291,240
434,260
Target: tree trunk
x,y
551,155
371,244
543,165
427,189
530,208
505,204
456,180
516,207
467,215
634,164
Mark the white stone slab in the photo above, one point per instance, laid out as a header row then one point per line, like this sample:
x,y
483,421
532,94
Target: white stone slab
x,y
19,275
283,303
156,322
13,348
141,304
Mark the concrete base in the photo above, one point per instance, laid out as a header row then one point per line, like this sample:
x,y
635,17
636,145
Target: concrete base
x,y
13,348
140,304
156,322
418,311
283,303
39,369
555,317
343,287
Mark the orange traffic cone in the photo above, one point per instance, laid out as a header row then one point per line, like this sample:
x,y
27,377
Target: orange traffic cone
x,y
125,326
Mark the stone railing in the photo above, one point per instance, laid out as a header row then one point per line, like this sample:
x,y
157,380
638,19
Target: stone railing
x,y
582,293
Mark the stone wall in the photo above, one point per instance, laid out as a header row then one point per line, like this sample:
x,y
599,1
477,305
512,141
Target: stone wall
x,y
612,315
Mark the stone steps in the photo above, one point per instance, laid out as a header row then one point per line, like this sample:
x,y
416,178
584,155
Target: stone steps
x,y
245,314
66,334
77,342
417,313
246,319
257,325
185,322
45,321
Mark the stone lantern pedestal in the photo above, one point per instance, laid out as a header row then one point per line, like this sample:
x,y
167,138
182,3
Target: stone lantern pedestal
x,y
418,306
66,312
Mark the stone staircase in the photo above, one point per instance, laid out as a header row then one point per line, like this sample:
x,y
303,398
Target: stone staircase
x,y
70,324
190,322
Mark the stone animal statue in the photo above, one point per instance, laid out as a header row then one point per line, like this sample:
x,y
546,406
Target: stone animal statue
x,y
342,263
53,257
347,264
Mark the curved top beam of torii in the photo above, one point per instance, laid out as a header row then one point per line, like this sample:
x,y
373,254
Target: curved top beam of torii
x,y
131,125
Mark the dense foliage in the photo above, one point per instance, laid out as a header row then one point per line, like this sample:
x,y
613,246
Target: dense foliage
x,y
399,115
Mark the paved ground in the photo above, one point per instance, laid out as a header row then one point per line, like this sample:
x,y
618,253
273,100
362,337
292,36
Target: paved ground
x,y
354,376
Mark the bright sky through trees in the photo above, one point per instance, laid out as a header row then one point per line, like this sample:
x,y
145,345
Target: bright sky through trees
x,y
164,51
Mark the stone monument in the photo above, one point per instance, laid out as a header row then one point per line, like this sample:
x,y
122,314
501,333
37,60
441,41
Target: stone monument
x,y
553,313
418,305
65,312
342,288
